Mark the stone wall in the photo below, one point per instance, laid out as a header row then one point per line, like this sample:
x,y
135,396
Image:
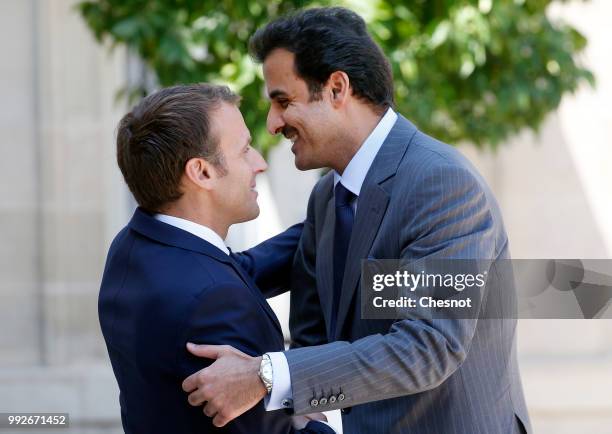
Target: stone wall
x,y
61,201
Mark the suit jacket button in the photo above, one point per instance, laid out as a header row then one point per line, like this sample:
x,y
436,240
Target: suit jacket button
x,y
332,399
323,401
314,402
341,397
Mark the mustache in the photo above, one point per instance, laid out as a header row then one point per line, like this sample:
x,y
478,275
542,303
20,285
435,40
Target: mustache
x,y
288,131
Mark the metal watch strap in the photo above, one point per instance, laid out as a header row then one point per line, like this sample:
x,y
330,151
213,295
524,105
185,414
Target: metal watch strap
x,y
265,372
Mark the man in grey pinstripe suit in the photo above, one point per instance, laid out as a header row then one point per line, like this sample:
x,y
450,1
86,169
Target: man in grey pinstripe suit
x,y
406,196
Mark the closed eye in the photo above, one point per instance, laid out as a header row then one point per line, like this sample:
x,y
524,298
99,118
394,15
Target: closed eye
x,y
284,103
247,147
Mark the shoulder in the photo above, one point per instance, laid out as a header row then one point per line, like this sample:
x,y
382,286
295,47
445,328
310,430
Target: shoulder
x,y
119,248
432,162
429,152
170,271
119,240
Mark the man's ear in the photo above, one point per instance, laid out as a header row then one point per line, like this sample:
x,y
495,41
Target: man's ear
x,y
339,85
200,172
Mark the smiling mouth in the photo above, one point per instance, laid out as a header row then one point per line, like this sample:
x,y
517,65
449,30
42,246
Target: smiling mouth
x,y
293,139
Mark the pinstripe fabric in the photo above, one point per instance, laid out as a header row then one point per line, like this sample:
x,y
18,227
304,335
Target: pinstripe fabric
x,y
420,199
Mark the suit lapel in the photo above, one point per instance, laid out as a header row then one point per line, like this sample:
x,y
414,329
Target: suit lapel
x,y
371,207
146,224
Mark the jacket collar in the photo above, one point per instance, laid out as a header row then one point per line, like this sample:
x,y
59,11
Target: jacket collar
x,y
145,224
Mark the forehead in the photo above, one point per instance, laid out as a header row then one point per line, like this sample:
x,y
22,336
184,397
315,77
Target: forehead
x,y
228,123
279,71
227,114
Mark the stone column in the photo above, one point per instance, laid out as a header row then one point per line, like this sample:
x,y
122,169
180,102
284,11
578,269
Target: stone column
x,y
61,202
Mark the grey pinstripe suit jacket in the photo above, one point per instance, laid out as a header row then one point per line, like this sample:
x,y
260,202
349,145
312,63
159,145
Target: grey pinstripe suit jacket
x,y
421,198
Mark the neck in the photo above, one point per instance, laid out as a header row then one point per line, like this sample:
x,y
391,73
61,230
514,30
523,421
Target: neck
x,y
361,120
197,213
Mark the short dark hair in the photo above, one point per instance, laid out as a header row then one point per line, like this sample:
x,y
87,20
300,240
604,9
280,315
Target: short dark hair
x,y
166,129
325,40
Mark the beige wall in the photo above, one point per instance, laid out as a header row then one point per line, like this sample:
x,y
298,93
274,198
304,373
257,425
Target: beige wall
x,y
555,191
60,201
18,192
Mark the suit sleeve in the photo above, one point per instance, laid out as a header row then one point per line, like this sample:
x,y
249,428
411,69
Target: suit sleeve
x,y
316,427
446,216
220,315
306,321
269,263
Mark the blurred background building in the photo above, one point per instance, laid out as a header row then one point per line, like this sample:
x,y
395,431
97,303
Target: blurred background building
x,y
62,200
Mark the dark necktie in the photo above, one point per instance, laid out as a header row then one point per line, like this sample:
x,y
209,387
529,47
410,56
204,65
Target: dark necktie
x,y
342,235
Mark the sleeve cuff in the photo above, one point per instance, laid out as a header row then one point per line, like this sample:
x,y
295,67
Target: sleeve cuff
x,y
281,395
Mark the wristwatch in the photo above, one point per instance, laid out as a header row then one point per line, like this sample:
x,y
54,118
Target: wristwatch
x,y
265,372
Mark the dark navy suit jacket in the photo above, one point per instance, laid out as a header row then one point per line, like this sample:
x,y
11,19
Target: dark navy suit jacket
x,y
163,287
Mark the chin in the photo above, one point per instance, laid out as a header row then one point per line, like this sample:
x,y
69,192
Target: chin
x,y
302,164
252,214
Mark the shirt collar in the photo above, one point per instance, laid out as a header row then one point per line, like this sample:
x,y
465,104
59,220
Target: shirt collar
x,y
196,229
357,169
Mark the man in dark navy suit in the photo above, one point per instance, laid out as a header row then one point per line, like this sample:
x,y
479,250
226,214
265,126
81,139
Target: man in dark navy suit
x,y
169,278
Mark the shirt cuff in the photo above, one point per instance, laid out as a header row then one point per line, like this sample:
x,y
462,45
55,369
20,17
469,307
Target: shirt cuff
x,y
281,395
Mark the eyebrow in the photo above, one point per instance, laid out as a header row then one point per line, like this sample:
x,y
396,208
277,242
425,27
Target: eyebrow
x,y
277,93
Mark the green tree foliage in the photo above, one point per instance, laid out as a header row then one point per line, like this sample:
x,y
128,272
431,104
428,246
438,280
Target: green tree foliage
x,y
465,70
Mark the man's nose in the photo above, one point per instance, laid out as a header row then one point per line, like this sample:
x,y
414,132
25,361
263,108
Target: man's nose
x,y
260,164
274,122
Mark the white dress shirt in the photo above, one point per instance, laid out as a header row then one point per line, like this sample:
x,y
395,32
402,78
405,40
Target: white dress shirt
x,y
352,178
201,231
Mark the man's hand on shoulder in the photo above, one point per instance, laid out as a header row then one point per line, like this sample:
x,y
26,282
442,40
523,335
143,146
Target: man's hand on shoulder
x,y
229,387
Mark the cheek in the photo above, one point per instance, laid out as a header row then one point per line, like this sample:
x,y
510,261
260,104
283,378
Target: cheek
x,y
316,120
298,117
291,117
246,175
